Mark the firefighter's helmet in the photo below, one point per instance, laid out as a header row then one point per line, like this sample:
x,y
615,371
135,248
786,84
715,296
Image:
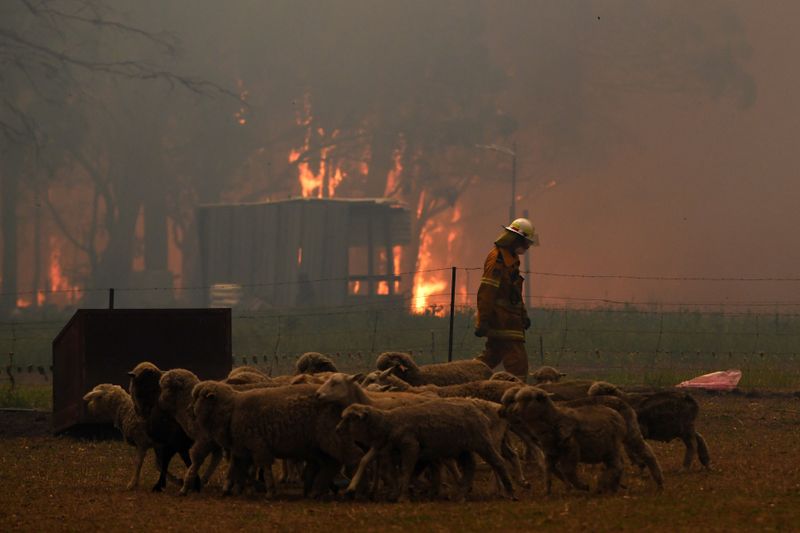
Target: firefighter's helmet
x,y
524,228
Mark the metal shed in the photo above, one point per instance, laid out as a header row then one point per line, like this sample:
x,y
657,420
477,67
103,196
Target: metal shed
x,y
102,345
304,251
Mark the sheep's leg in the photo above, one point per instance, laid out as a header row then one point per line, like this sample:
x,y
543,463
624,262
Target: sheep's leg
x,y
653,465
612,475
362,465
467,464
141,452
197,454
702,451
324,479
492,457
216,457
568,465
408,460
691,449
163,456
512,458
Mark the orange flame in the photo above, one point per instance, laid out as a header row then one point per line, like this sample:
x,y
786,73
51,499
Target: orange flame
x,y
434,285
313,185
426,284
58,280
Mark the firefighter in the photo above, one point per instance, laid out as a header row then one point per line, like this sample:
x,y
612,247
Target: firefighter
x,y
502,317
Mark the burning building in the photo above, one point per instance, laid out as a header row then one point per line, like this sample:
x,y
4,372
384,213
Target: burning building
x,y
304,251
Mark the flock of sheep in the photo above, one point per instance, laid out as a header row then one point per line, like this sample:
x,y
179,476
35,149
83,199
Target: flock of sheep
x,y
399,427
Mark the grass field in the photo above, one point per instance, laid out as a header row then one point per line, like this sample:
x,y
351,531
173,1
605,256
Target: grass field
x,y
58,483
625,345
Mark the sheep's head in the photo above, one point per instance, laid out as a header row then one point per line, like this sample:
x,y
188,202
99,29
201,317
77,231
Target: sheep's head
x,y
206,398
531,401
337,389
507,400
399,363
98,400
314,363
604,388
354,421
505,376
144,387
546,374
175,384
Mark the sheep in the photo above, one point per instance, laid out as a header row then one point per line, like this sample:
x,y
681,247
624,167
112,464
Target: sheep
x,y
343,391
107,401
314,363
263,424
432,431
247,375
638,450
176,398
406,369
491,390
563,391
505,376
546,374
589,434
167,435
663,416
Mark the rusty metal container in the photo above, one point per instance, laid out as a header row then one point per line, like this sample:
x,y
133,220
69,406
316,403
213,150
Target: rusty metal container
x,y
102,345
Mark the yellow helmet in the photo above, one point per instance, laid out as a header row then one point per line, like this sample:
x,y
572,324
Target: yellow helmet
x,y
524,228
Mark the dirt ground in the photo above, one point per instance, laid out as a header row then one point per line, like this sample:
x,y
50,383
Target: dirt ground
x,y
68,484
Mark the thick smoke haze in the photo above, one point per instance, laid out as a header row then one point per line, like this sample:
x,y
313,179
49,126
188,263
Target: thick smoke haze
x,y
653,138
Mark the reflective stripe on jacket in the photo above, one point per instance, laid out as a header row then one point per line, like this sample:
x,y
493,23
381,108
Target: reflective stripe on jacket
x,y
500,304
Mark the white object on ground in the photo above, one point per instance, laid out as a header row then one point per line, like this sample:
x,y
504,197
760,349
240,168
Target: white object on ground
x,y
724,380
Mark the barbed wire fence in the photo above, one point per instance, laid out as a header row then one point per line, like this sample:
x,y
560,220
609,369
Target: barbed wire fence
x,y
617,339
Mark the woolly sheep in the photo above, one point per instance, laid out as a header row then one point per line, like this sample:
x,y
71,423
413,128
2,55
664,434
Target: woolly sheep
x,y
590,434
663,416
490,390
176,398
260,425
167,435
406,369
564,391
546,374
505,376
432,431
111,402
247,375
314,363
638,450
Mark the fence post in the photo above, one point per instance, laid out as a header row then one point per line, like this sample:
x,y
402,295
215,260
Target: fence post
x,y
452,315
111,298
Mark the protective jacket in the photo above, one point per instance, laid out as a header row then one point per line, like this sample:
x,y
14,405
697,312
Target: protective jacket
x,y
500,304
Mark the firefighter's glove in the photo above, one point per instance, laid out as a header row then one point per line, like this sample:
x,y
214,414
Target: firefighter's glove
x,y
482,330
526,322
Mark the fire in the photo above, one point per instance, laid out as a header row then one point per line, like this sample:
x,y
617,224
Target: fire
x,y
426,284
393,178
324,182
58,280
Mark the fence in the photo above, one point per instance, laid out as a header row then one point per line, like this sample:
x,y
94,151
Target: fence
x,y
626,342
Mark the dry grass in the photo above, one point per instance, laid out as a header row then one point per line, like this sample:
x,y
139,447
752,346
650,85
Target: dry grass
x,y
51,483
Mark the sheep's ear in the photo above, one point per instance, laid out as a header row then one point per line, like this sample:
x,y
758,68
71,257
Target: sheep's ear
x,y
132,374
402,368
356,378
386,373
211,395
90,395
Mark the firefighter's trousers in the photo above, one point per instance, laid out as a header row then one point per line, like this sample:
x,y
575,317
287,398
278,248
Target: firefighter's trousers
x,y
509,352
